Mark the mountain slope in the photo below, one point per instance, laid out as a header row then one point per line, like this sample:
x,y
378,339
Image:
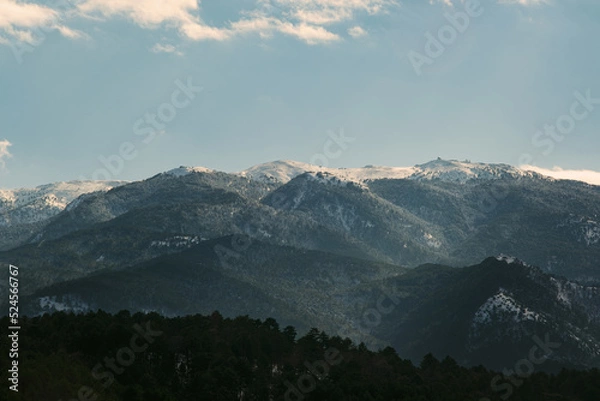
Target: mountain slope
x,y
234,275
489,314
483,314
447,212
392,233
26,211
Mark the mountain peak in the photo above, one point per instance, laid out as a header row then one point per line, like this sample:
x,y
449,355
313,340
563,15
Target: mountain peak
x,y
185,170
457,171
279,171
453,163
283,171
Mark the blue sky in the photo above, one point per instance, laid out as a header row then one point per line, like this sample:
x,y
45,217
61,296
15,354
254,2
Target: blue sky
x,y
91,80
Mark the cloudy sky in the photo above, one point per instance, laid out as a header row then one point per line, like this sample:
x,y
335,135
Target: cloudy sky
x,y
123,89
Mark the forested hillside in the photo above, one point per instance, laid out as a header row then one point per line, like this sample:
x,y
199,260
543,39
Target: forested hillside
x,y
146,357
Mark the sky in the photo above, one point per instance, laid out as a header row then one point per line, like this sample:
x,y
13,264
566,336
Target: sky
x,y
125,89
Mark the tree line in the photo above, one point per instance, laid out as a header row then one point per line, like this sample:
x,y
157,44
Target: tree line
x,y
147,357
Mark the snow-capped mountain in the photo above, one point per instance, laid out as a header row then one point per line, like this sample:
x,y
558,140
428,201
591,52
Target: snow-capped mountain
x,y
451,212
183,170
50,197
23,211
461,172
282,171
319,242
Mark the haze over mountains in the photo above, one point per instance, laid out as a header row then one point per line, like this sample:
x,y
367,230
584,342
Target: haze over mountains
x,y
319,247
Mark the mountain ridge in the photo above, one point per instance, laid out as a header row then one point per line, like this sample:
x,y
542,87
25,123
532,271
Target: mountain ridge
x,y
442,217
450,170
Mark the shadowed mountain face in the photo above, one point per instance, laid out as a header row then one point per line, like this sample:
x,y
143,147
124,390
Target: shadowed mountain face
x,y
321,247
494,313
232,274
488,314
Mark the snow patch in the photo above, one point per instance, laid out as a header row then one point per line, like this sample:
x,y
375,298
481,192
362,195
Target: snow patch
x,y
562,290
180,241
69,304
511,260
584,228
502,306
431,241
183,171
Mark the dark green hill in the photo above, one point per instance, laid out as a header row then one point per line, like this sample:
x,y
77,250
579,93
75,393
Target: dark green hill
x,y
147,357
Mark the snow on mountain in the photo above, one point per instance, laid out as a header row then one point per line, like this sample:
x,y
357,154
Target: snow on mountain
x,y
280,171
30,205
511,260
502,306
67,303
445,170
183,171
180,241
457,171
283,171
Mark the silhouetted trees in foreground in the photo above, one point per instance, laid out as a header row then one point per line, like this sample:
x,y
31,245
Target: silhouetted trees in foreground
x,y
147,357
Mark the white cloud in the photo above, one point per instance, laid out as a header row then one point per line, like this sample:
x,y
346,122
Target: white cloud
x,y
305,20
18,19
589,176
24,14
356,32
196,31
4,153
22,22
153,14
302,19
21,35
70,33
321,12
308,33
267,26
446,2
146,13
452,3
166,48
523,2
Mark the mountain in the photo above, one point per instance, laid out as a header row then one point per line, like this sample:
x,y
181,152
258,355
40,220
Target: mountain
x,y
491,314
456,213
391,233
321,247
484,314
448,212
445,170
233,274
25,211
163,215
553,224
